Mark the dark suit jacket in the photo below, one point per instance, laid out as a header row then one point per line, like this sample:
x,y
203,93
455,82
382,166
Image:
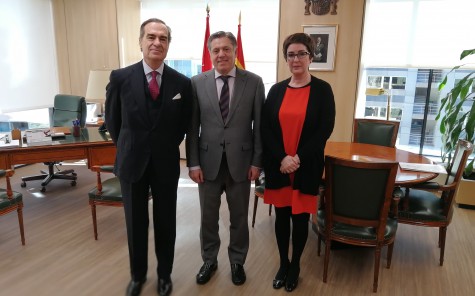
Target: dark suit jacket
x,y
139,136
240,133
317,128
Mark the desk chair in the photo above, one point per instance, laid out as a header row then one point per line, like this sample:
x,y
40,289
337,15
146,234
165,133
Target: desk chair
x,y
424,208
11,201
376,132
66,109
356,207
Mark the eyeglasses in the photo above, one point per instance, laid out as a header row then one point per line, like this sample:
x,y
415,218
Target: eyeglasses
x,y
300,55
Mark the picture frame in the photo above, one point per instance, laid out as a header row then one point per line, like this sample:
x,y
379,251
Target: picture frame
x,y
325,37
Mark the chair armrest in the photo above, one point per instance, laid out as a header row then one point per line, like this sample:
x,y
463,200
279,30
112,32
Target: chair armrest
x,y
7,174
430,185
397,195
104,169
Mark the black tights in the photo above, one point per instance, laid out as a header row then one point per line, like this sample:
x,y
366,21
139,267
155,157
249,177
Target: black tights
x,y
282,233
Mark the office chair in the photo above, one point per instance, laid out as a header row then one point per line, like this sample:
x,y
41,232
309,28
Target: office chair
x,y
67,108
11,201
421,207
357,200
376,132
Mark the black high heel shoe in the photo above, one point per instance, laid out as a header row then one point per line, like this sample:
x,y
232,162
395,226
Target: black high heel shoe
x,y
292,279
280,277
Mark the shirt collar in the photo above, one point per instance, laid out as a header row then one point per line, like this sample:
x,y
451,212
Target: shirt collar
x,y
231,73
147,68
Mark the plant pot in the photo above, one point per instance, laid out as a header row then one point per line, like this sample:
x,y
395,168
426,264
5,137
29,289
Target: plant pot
x,y
465,195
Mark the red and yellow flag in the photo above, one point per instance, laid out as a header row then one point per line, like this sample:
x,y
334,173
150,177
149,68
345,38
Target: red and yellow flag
x,y
240,55
206,59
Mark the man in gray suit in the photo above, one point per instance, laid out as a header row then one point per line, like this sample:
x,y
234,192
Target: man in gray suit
x,y
224,151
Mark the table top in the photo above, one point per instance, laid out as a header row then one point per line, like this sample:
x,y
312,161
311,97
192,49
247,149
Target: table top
x,y
371,153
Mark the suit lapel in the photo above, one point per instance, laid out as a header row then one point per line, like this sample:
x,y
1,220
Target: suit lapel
x,y
212,94
138,87
238,91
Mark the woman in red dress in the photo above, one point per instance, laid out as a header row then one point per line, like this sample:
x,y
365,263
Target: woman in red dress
x,y
298,118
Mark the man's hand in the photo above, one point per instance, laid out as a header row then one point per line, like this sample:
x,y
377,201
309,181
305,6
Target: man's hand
x,y
289,164
196,175
253,173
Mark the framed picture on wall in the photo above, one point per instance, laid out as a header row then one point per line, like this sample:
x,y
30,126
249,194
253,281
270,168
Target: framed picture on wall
x,y
325,49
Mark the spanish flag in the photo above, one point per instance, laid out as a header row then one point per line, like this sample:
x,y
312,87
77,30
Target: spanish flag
x,y
240,55
206,59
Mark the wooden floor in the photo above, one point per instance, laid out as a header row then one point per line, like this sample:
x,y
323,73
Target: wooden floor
x,y
61,256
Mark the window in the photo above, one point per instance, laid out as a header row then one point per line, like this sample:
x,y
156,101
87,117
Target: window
x,y
404,54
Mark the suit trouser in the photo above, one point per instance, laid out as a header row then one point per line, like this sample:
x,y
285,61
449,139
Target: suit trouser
x,y
237,196
135,195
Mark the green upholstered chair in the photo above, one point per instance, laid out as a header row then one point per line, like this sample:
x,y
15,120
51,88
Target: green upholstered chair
x,y
106,193
423,207
66,109
259,193
376,132
11,201
357,201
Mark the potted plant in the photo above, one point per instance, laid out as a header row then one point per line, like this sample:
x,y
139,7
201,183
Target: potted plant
x,y
457,120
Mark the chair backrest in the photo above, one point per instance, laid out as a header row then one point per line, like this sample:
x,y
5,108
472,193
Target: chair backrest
x,y
68,108
358,193
462,152
376,132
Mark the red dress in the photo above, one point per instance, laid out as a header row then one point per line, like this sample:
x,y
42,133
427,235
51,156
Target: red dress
x,y
291,117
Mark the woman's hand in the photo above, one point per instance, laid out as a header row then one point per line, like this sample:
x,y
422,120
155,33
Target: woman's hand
x,y
289,164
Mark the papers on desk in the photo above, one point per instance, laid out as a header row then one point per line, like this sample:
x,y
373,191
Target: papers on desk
x,y
423,167
12,144
38,137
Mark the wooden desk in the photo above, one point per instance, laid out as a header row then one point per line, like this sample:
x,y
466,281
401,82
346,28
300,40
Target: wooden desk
x,y
367,152
96,147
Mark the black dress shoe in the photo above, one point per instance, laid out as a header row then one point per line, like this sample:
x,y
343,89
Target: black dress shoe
x,y
281,276
134,288
237,274
205,273
164,287
291,285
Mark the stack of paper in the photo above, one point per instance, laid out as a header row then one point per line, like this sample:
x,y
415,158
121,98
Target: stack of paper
x,y
37,137
423,167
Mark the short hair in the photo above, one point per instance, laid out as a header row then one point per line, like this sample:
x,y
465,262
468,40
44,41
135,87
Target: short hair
x,y
301,38
155,20
221,34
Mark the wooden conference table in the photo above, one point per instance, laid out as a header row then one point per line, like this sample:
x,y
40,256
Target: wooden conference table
x,y
92,145
367,152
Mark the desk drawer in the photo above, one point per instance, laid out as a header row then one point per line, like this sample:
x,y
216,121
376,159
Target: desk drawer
x,y
44,155
101,156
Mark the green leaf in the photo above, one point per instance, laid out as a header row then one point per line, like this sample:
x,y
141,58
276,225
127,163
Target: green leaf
x,y
466,53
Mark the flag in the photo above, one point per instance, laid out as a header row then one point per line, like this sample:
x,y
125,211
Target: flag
x,y
240,55
206,59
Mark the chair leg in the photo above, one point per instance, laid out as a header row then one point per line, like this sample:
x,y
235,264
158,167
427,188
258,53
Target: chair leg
x,y
327,259
319,246
389,255
20,222
442,236
94,220
255,209
377,260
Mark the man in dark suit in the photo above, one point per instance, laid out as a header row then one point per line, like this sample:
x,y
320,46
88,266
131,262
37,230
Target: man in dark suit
x,y
147,116
224,151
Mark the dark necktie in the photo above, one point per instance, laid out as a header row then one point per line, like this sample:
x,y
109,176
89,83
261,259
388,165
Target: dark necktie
x,y
153,86
224,98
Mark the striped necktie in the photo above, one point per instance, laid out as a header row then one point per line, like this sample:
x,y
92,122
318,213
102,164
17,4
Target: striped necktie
x,y
224,98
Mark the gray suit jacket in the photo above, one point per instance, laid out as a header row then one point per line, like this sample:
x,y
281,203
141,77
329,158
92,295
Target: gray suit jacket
x,y
239,135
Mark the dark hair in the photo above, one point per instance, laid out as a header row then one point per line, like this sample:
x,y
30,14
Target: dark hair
x,y
155,20
301,38
221,34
